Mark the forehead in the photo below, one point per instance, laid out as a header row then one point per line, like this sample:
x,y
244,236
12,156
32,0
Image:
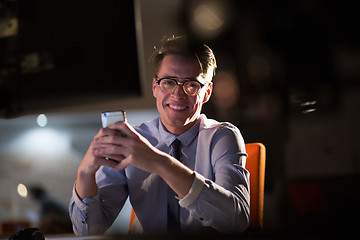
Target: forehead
x,y
179,66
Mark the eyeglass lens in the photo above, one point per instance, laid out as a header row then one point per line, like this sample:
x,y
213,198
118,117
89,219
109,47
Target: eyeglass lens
x,y
190,87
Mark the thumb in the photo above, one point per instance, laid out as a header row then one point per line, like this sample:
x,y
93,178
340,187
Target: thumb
x,y
121,166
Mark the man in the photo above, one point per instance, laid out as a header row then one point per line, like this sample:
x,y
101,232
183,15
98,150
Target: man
x,y
207,187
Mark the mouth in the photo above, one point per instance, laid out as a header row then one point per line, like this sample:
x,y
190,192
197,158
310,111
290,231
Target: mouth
x,y
176,107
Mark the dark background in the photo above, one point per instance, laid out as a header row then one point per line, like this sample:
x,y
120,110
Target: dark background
x,y
302,104
67,52
288,76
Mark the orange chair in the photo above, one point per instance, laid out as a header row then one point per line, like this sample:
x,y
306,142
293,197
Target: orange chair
x,y
255,164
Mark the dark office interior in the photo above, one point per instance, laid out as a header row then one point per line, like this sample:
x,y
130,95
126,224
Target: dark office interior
x,y
288,76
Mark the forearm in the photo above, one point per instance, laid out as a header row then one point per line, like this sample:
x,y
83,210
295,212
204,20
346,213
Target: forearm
x,y
214,206
85,186
179,177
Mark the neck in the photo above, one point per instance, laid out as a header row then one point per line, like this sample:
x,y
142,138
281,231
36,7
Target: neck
x,y
178,130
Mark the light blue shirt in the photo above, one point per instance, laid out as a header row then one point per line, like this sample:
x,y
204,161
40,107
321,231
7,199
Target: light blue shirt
x,y
219,196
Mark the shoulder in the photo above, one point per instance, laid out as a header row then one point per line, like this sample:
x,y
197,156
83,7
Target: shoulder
x,y
148,126
211,125
149,130
223,133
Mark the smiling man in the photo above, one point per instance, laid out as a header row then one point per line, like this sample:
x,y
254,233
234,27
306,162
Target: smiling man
x,y
180,107
182,171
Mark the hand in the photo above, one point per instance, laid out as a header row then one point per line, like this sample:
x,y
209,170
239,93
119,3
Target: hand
x,y
134,149
123,144
131,149
86,186
92,161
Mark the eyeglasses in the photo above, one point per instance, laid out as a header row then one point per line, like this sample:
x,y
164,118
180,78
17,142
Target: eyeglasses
x,y
190,86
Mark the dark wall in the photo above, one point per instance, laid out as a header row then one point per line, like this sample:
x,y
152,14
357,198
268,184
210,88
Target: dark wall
x,y
66,52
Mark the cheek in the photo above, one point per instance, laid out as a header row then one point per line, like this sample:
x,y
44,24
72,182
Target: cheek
x,y
159,96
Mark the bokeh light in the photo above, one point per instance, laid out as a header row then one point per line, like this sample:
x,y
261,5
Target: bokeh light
x,y
22,190
42,120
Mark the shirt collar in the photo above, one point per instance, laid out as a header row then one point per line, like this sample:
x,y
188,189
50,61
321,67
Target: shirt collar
x,y
186,138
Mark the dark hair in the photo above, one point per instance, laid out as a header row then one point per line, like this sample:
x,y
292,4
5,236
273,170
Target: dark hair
x,y
180,45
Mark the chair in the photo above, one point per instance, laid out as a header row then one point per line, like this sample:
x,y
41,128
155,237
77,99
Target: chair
x,y
255,164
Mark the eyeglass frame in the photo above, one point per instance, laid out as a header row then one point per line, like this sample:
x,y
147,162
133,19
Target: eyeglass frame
x,y
158,80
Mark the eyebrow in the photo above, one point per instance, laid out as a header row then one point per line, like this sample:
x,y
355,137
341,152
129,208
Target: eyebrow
x,y
179,78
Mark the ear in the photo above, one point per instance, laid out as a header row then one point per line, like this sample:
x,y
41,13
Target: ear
x,y
208,92
154,87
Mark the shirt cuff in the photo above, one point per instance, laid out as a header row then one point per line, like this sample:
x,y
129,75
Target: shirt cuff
x,y
196,187
86,202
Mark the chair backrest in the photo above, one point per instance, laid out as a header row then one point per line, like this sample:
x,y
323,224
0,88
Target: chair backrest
x,y
132,218
255,164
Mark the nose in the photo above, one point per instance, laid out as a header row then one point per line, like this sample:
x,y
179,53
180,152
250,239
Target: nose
x,y
179,91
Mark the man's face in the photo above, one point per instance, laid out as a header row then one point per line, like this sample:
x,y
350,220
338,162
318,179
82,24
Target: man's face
x,y
178,111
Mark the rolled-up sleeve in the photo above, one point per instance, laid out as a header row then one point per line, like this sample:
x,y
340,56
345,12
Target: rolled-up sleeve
x,y
222,200
94,216
79,210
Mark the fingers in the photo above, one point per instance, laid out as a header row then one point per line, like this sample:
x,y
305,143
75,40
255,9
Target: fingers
x,y
116,162
116,142
108,132
107,162
114,134
106,148
106,141
125,128
112,153
120,166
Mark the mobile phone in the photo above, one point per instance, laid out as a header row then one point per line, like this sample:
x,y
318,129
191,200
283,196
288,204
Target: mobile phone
x,y
110,117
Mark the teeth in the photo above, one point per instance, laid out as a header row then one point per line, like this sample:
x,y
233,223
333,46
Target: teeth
x,y
177,107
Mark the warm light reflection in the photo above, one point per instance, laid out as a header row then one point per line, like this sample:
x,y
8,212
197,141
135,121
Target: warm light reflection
x,y
309,111
226,90
22,190
208,17
258,67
